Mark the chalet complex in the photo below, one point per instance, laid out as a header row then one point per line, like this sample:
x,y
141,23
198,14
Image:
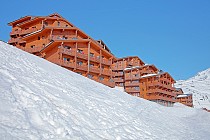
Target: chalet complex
x,y
58,41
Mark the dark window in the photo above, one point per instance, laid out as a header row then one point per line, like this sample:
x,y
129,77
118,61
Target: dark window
x,y
101,78
90,76
91,54
38,37
80,51
32,46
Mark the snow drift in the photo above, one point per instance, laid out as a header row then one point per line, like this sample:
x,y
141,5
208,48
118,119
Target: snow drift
x,y
40,100
199,86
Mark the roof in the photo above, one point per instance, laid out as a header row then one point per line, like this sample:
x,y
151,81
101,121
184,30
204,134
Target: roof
x,y
25,18
150,75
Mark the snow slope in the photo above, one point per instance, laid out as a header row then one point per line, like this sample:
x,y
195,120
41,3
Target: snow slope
x,y
199,86
40,100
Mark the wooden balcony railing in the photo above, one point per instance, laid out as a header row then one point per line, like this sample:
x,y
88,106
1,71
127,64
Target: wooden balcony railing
x,y
13,40
94,69
132,84
67,64
118,80
106,72
168,93
67,51
132,77
82,56
108,83
94,59
160,97
82,67
106,62
118,74
132,90
33,50
21,32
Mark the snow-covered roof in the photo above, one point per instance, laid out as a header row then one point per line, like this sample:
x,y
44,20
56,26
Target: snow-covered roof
x,y
183,95
148,75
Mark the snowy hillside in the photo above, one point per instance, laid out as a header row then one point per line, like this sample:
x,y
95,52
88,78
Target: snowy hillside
x,y
199,86
40,100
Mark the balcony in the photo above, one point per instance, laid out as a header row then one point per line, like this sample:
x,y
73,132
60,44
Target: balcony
x,y
82,67
67,52
118,68
94,70
118,74
22,32
106,72
107,83
33,50
132,77
94,59
60,38
131,84
82,56
156,83
131,90
119,80
13,40
161,91
160,97
106,62
67,64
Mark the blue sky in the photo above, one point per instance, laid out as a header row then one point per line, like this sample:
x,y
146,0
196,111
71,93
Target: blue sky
x,y
173,35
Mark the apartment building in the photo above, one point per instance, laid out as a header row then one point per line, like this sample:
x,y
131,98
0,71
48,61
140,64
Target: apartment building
x,y
57,40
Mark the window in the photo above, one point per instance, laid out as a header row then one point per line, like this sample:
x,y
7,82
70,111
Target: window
x,y
91,65
79,73
74,38
58,23
66,59
90,76
66,25
79,63
32,46
101,78
67,47
46,23
43,37
43,45
38,37
34,27
91,54
80,51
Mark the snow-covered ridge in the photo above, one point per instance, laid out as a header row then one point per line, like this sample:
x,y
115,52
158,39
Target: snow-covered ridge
x,y
199,86
40,100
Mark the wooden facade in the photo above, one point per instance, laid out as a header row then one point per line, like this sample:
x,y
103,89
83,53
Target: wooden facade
x,y
59,41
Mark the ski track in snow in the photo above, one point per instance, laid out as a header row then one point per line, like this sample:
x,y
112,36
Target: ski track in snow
x,y
40,100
